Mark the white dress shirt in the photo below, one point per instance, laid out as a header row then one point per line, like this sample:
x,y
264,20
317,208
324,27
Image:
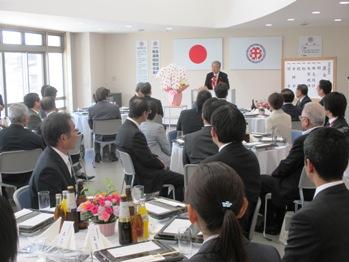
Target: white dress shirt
x,y
331,120
327,185
65,158
133,121
309,130
210,238
223,146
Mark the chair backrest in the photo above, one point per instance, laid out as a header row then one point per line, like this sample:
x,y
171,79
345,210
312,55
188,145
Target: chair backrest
x,y
77,148
189,170
254,219
106,127
17,162
22,198
295,134
172,135
304,183
127,165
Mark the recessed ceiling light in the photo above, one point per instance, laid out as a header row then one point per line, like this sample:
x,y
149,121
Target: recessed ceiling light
x,y
315,12
128,26
268,25
337,20
344,2
291,19
169,28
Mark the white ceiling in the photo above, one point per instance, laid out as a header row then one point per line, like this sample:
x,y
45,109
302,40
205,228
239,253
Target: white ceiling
x,y
118,16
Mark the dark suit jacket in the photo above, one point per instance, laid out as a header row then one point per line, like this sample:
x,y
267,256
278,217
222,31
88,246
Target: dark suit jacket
x,y
300,105
319,231
147,166
103,110
289,170
16,137
50,174
189,121
339,123
198,146
292,110
222,77
34,121
210,251
245,163
159,110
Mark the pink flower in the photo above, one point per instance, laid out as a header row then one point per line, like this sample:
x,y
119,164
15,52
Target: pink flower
x,y
108,203
116,211
101,201
109,210
104,216
94,210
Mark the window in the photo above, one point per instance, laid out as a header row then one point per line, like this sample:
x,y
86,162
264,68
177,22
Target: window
x,y
54,40
55,72
35,72
11,37
33,39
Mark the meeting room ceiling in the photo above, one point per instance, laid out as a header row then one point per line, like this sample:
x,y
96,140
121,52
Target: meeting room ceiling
x,y
116,16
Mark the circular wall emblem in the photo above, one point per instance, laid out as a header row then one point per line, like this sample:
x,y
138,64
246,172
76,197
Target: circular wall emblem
x,y
255,53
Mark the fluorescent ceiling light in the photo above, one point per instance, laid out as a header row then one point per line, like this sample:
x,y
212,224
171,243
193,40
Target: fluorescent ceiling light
x,y
337,20
315,12
268,25
291,19
344,2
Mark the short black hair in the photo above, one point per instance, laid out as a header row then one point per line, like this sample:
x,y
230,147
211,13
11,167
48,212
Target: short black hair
x,y
145,88
101,94
30,99
55,125
47,90
336,103
288,95
201,99
229,124
276,100
9,235
137,106
210,106
326,86
153,109
303,88
221,90
48,103
328,150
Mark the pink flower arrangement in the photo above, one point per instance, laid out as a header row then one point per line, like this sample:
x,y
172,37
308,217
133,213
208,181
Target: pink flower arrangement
x,y
102,208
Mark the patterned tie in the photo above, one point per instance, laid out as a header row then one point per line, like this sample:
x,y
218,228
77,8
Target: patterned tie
x,y
214,81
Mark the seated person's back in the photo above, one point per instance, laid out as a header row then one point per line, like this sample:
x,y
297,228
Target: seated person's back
x,y
53,170
145,90
216,200
319,230
278,120
17,137
288,106
190,120
32,101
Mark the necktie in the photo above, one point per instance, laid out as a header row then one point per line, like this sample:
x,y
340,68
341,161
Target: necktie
x,y
214,81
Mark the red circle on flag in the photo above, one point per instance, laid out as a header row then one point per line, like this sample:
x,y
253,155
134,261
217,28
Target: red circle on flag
x,y
197,54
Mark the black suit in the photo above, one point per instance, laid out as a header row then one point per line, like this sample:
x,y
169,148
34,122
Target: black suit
x,y
159,109
16,137
245,163
339,123
34,121
189,121
149,169
198,146
300,104
222,77
210,251
292,110
50,174
319,231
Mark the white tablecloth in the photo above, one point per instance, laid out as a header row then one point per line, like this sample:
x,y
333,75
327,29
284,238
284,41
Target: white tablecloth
x,y
256,124
268,159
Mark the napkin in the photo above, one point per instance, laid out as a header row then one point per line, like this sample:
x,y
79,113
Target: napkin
x,y
51,234
95,240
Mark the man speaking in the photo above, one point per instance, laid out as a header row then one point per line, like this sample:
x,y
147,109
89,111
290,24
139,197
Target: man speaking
x,y
216,76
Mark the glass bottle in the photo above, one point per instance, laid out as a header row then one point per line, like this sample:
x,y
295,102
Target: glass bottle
x,y
72,213
124,223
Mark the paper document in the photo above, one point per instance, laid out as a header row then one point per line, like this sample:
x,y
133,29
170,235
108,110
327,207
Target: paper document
x,y
34,221
177,224
169,202
133,249
155,209
22,212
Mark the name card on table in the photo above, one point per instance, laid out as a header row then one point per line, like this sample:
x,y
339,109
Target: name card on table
x,y
95,240
66,239
51,234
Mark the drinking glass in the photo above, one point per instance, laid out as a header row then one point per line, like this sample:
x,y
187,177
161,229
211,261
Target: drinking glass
x,y
184,237
44,200
138,193
180,134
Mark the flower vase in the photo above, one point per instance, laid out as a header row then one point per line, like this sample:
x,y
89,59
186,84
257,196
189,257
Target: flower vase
x,y
107,229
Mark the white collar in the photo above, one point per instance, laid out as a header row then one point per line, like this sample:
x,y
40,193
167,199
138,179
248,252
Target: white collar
x,y
288,103
64,157
223,146
331,120
301,99
49,113
327,185
206,125
35,111
309,130
210,238
133,121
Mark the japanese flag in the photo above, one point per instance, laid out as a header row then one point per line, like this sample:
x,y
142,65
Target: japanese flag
x,y
197,54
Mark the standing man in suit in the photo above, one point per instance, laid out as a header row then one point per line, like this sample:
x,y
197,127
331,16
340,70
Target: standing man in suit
x,y
17,137
145,89
199,145
288,106
216,76
324,87
302,96
149,169
190,120
32,101
103,110
319,230
53,171
283,182
228,131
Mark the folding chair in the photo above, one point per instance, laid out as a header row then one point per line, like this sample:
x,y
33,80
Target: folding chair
x,y
22,198
254,219
189,170
77,151
304,183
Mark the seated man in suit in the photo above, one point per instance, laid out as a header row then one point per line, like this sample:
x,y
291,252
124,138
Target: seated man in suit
x,y
278,120
221,90
32,101
283,182
48,105
319,230
145,89
17,137
335,105
288,106
190,120
324,87
216,76
47,91
53,170
302,97
228,131
103,110
199,145
149,169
